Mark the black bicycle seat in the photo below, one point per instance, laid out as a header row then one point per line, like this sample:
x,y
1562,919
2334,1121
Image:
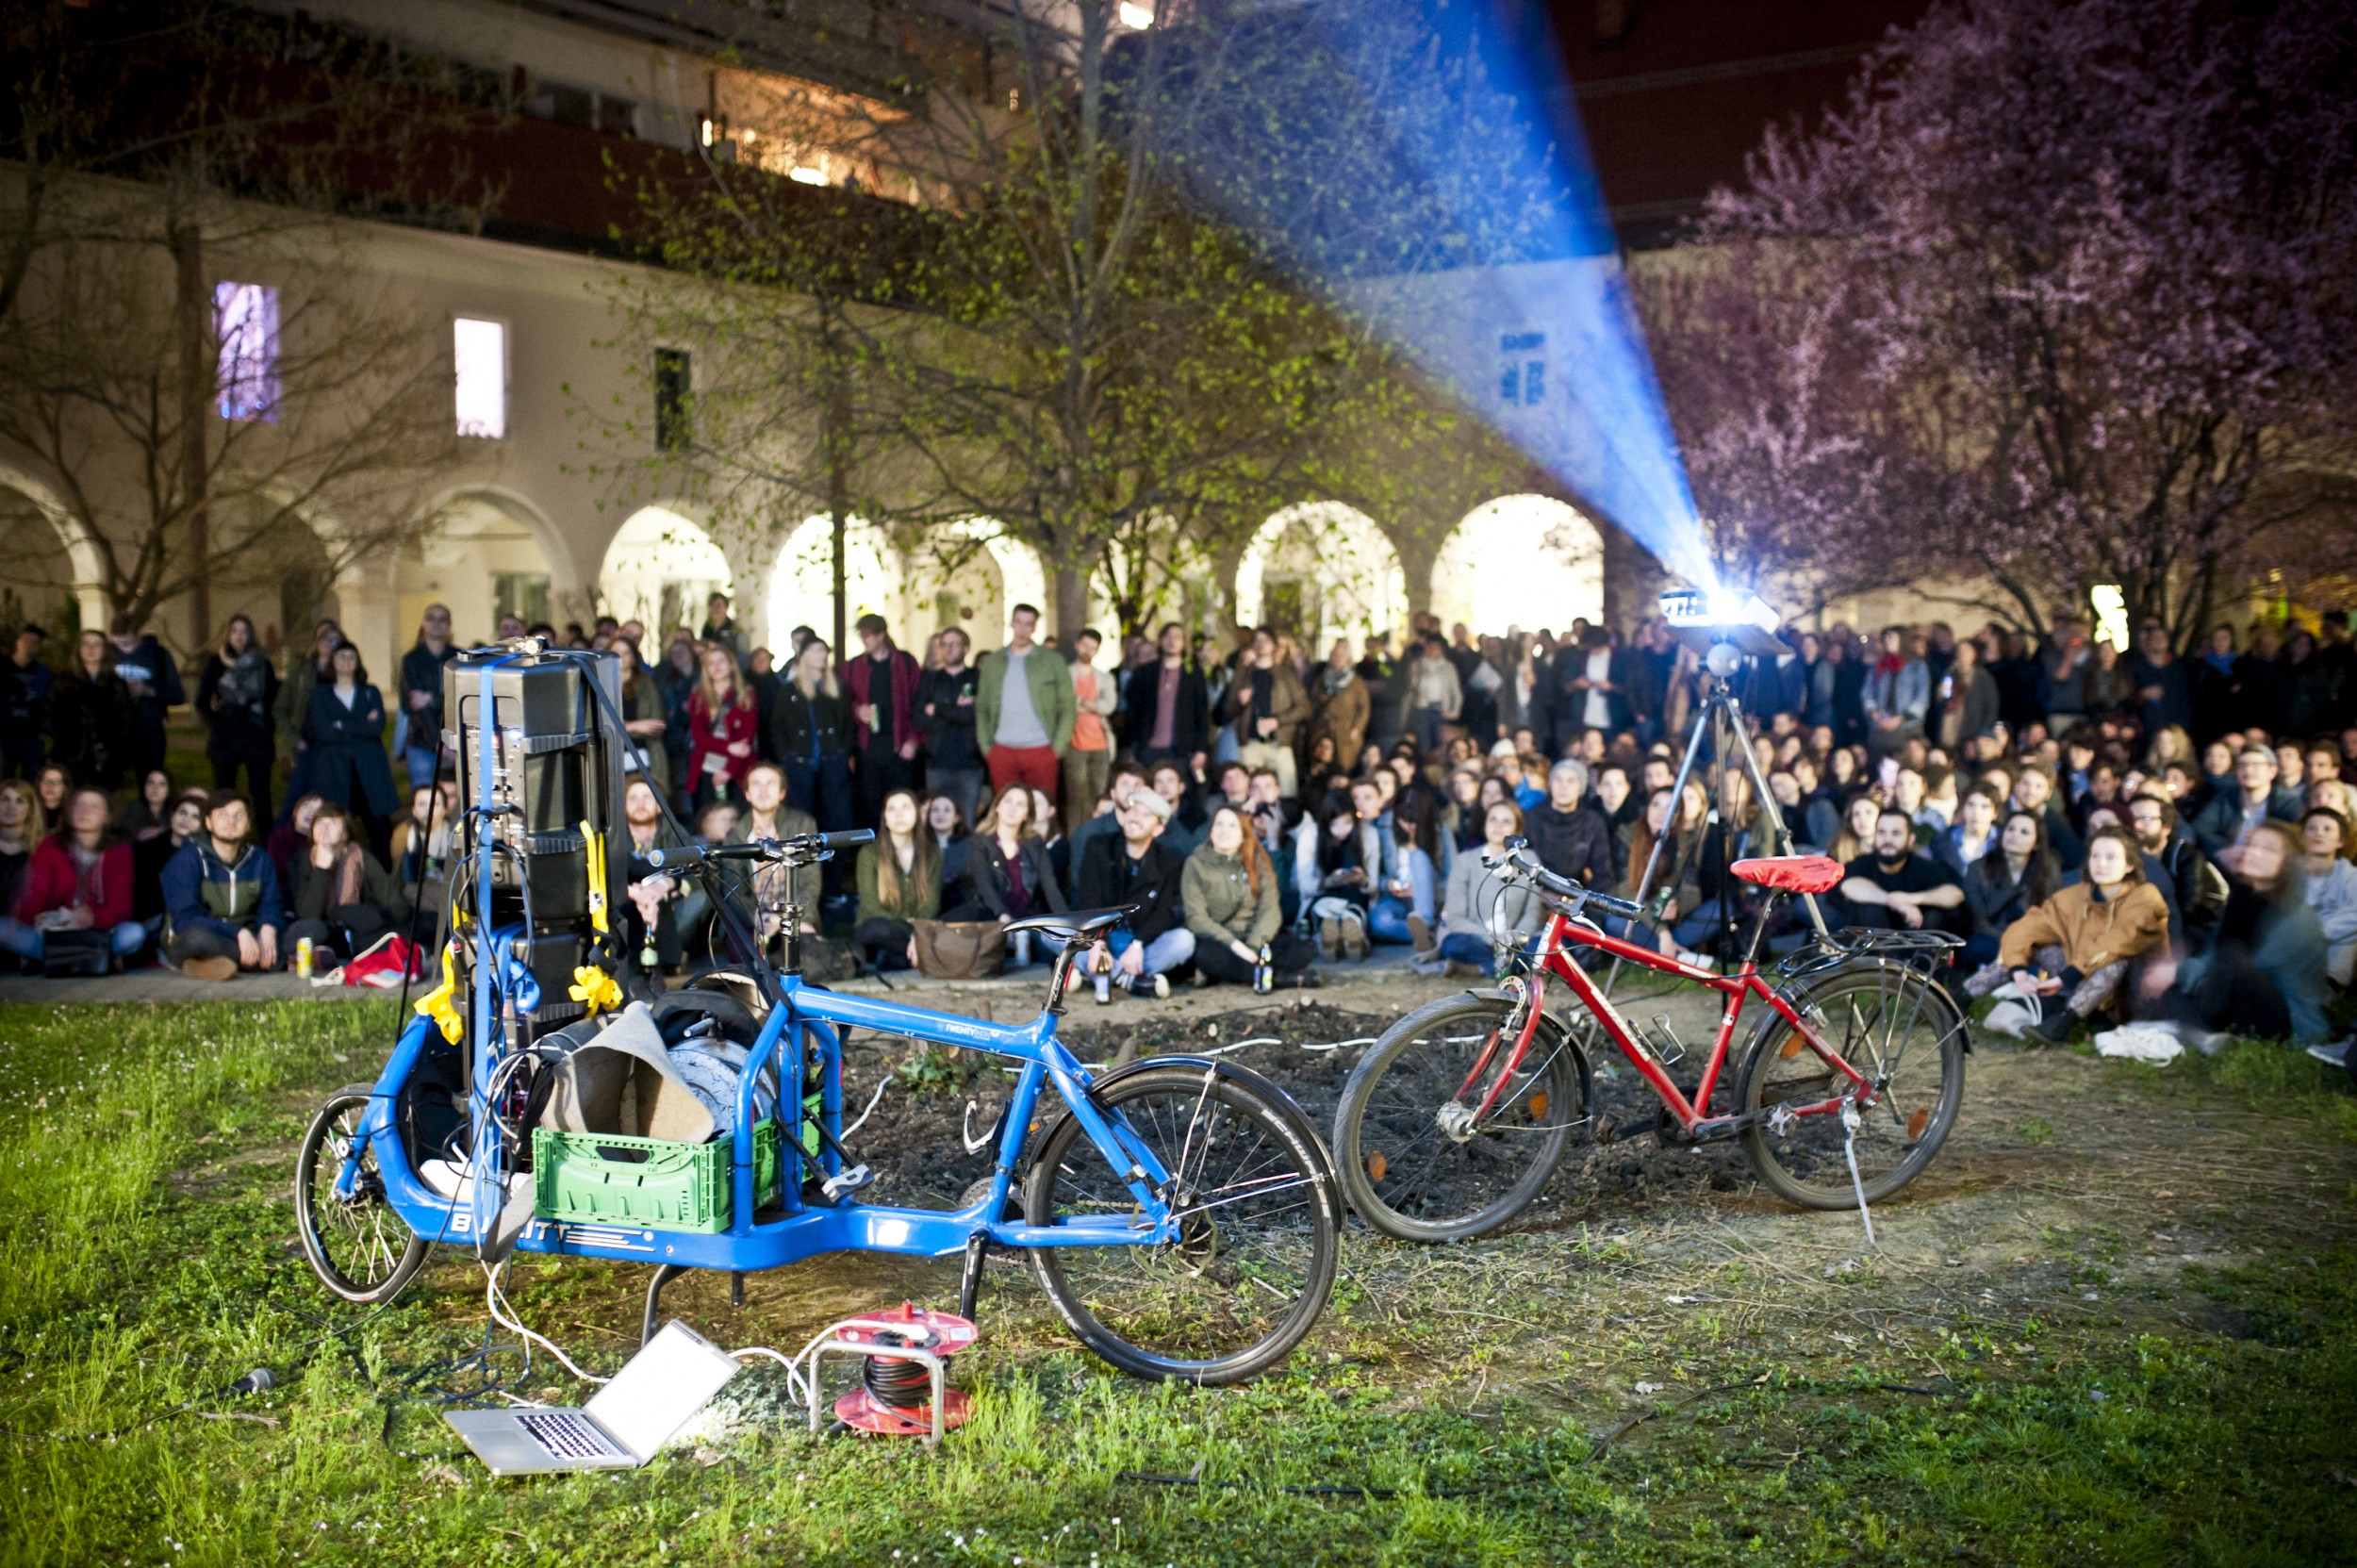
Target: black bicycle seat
x,y
1079,925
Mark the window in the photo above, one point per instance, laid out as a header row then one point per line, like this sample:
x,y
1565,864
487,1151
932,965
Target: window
x,y
672,401
245,320
521,594
480,351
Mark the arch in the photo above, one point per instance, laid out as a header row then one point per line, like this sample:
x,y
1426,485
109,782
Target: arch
x,y
660,567
1322,569
37,551
801,588
1525,561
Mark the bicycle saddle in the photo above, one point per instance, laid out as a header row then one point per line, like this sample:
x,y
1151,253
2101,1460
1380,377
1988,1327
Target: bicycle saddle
x,y
1792,873
1079,925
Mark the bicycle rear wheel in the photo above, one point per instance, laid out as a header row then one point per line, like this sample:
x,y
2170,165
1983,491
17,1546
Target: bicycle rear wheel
x,y
1415,1162
1898,1029
1260,1226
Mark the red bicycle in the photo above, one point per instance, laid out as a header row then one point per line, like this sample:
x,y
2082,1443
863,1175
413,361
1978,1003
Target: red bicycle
x,y
1456,1117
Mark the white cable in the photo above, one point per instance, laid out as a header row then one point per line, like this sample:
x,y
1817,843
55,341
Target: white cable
x,y
872,1101
794,1381
492,1297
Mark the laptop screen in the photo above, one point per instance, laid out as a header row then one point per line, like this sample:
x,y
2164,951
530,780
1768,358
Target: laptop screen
x,y
664,1384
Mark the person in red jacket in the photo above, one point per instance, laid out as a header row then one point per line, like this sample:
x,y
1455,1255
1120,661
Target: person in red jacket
x,y
79,879
723,726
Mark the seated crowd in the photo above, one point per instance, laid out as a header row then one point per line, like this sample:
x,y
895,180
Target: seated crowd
x,y
2111,837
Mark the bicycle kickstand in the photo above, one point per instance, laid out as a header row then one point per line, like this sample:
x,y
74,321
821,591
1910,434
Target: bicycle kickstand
x,y
970,1284
1849,1151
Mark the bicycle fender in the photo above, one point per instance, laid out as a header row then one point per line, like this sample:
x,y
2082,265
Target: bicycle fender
x,y
1798,996
1563,1036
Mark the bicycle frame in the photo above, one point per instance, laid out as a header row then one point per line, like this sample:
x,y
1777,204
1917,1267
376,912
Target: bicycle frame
x,y
813,1017
1693,1117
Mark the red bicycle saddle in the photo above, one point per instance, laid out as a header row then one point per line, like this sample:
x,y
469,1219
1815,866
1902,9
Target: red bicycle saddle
x,y
1792,873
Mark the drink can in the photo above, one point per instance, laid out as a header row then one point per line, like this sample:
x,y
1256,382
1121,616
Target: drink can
x,y
302,957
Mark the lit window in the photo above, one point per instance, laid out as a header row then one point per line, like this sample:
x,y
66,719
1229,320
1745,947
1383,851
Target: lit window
x,y
2111,615
480,350
804,174
245,320
1135,16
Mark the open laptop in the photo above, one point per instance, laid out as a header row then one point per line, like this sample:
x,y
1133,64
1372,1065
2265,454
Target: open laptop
x,y
621,1429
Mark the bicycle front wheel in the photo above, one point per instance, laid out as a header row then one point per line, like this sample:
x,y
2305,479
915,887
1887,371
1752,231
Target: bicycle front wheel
x,y
1905,1035
359,1246
1260,1227
1420,1159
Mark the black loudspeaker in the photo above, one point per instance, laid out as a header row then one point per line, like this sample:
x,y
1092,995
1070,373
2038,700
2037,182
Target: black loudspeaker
x,y
556,754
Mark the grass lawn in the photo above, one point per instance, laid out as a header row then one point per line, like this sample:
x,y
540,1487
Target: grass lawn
x,y
2117,1323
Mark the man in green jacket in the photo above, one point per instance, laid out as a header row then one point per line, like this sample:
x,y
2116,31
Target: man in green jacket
x,y
1024,709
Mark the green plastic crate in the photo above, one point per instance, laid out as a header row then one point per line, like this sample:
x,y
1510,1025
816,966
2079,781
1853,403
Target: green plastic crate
x,y
593,1177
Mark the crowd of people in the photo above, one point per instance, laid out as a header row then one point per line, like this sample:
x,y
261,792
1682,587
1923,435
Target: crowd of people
x,y
2112,834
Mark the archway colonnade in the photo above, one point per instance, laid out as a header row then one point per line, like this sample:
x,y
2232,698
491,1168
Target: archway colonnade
x,y
1318,568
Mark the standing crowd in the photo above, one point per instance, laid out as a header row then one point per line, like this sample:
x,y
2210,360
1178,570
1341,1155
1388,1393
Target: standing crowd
x,y
2112,834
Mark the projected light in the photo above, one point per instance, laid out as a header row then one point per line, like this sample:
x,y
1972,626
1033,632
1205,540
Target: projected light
x,y
1717,608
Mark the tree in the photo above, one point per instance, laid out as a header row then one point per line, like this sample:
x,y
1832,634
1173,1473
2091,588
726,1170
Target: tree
x,y
149,149
1095,333
2059,298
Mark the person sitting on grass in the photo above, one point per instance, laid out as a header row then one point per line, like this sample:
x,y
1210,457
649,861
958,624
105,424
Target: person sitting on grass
x,y
1234,906
900,884
2332,888
1135,868
1482,912
2261,973
1007,871
220,894
1895,886
2070,955
79,879
344,899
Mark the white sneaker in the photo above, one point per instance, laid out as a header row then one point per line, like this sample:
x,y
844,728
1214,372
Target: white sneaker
x,y
2009,1019
1161,988
2334,1053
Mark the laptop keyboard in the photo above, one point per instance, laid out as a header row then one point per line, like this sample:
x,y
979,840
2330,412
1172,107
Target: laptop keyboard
x,y
566,1436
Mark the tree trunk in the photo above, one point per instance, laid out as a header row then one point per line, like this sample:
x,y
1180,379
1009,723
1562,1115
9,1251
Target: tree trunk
x,y
1070,586
198,373
832,440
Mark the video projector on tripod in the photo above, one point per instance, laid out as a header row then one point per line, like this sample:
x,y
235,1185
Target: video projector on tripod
x,y
1704,619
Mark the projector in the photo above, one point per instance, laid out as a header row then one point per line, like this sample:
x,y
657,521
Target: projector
x,y
1724,617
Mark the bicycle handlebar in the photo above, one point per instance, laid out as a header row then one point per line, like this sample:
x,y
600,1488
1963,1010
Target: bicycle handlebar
x,y
1518,861
812,844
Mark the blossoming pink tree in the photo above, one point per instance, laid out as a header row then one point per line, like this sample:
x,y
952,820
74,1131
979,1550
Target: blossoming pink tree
x,y
2066,294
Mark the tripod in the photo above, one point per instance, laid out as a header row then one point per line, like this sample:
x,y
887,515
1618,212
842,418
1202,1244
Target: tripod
x,y
1721,719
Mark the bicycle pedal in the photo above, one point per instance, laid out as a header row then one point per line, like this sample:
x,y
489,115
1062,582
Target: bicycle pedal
x,y
842,1186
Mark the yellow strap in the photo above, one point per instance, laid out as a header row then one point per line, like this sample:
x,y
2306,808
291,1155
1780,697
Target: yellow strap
x,y
592,986
441,1003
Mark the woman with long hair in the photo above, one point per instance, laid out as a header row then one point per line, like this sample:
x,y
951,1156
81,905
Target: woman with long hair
x,y
2069,956
900,884
343,759
79,879
1007,869
2000,887
1407,907
723,723
1858,816
1481,911
342,898
92,719
146,813
183,820
810,734
645,718
305,668
51,785
1234,906
22,824
236,693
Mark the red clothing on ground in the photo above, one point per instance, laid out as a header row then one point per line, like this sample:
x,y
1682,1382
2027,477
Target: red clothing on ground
x,y
52,881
